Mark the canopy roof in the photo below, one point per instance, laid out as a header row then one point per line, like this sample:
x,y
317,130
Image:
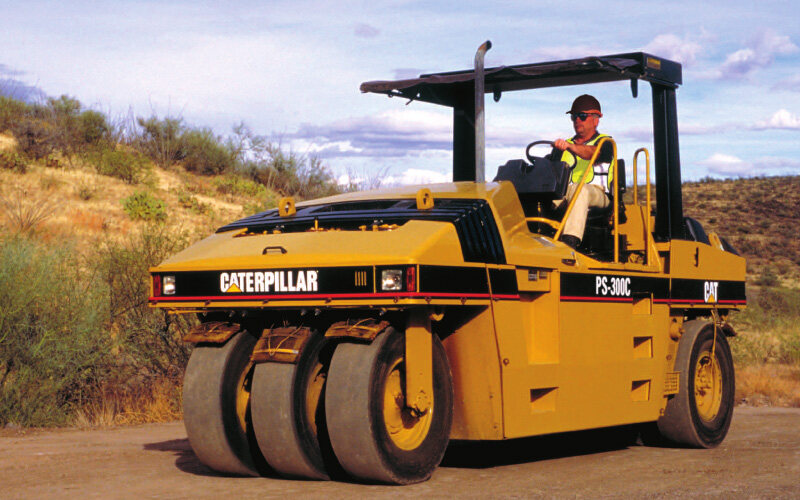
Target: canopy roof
x,y
449,88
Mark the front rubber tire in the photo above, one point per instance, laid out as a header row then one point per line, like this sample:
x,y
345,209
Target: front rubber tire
x,y
364,400
216,405
700,414
289,414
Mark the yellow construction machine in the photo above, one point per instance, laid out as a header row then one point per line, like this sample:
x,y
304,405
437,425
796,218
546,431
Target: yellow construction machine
x,y
355,336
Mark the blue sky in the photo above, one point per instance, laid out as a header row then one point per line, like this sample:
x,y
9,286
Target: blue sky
x,y
291,70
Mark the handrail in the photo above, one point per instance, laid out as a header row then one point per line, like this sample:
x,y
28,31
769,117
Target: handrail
x,y
550,222
582,181
648,234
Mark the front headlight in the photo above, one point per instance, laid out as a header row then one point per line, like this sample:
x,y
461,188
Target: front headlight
x,y
391,280
168,285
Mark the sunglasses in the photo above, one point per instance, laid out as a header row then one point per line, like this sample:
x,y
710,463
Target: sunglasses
x,y
581,116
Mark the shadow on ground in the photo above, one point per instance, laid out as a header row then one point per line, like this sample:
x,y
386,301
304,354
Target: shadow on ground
x,y
185,460
464,454
486,454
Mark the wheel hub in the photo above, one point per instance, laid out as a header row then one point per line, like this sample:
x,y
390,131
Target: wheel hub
x,y
243,395
707,386
406,428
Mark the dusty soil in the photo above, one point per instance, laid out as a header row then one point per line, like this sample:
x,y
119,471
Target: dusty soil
x,y
759,459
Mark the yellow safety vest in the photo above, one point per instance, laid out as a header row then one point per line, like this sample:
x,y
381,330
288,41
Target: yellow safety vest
x,y
582,164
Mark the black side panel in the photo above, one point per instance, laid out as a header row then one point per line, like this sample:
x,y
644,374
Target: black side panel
x,y
446,279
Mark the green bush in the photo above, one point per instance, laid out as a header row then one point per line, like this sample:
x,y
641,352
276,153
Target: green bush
x,y
161,139
254,207
74,331
54,347
144,206
204,153
770,325
36,137
149,339
130,166
186,200
767,277
238,186
12,161
93,127
286,172
12,112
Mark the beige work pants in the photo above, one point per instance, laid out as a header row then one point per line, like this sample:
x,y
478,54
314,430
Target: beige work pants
x,y
590,196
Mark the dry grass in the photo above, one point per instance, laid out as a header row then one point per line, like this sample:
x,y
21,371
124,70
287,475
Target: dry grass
x,y
160,404
768,385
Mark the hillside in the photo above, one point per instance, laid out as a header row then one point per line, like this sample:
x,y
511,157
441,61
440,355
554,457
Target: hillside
x,y
759,217
86,206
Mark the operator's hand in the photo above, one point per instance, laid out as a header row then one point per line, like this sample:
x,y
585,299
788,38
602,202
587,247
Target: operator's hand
x,y
561,144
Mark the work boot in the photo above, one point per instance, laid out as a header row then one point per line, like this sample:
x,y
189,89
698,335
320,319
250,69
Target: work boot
x,y
572,241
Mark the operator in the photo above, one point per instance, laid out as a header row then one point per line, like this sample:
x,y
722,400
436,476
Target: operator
x,y
585,114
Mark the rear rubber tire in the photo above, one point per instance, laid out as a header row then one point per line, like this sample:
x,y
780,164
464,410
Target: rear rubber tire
x,y
698,416
364,383
288,410
216,382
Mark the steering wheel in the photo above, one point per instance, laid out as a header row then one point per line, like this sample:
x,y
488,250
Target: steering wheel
x,y
532,158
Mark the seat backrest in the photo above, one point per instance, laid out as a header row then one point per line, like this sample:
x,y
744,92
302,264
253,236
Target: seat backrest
x,y
544,180
695,231
618,170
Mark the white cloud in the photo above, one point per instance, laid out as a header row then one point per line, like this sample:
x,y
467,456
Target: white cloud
x,y
724,164
392,133
417,176
760,53
782,119
559,52
673,47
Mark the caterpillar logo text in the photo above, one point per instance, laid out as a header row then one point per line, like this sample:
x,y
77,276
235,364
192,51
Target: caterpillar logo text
x,y
268,281
710,291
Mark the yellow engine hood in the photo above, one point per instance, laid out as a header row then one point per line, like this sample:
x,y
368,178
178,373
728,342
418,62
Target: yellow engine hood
x,y
416,241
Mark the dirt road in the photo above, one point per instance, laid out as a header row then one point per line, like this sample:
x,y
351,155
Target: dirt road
x,y
760,458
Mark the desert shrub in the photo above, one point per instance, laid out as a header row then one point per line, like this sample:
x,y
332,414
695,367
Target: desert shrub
x,y
767,277
190,202
315,180
281,170
24,211
36,137
142,205
13,161
93,128
12,111
204,153
160,139
770,327
130,166
54,349
149,339
238,186
266,203
85,190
